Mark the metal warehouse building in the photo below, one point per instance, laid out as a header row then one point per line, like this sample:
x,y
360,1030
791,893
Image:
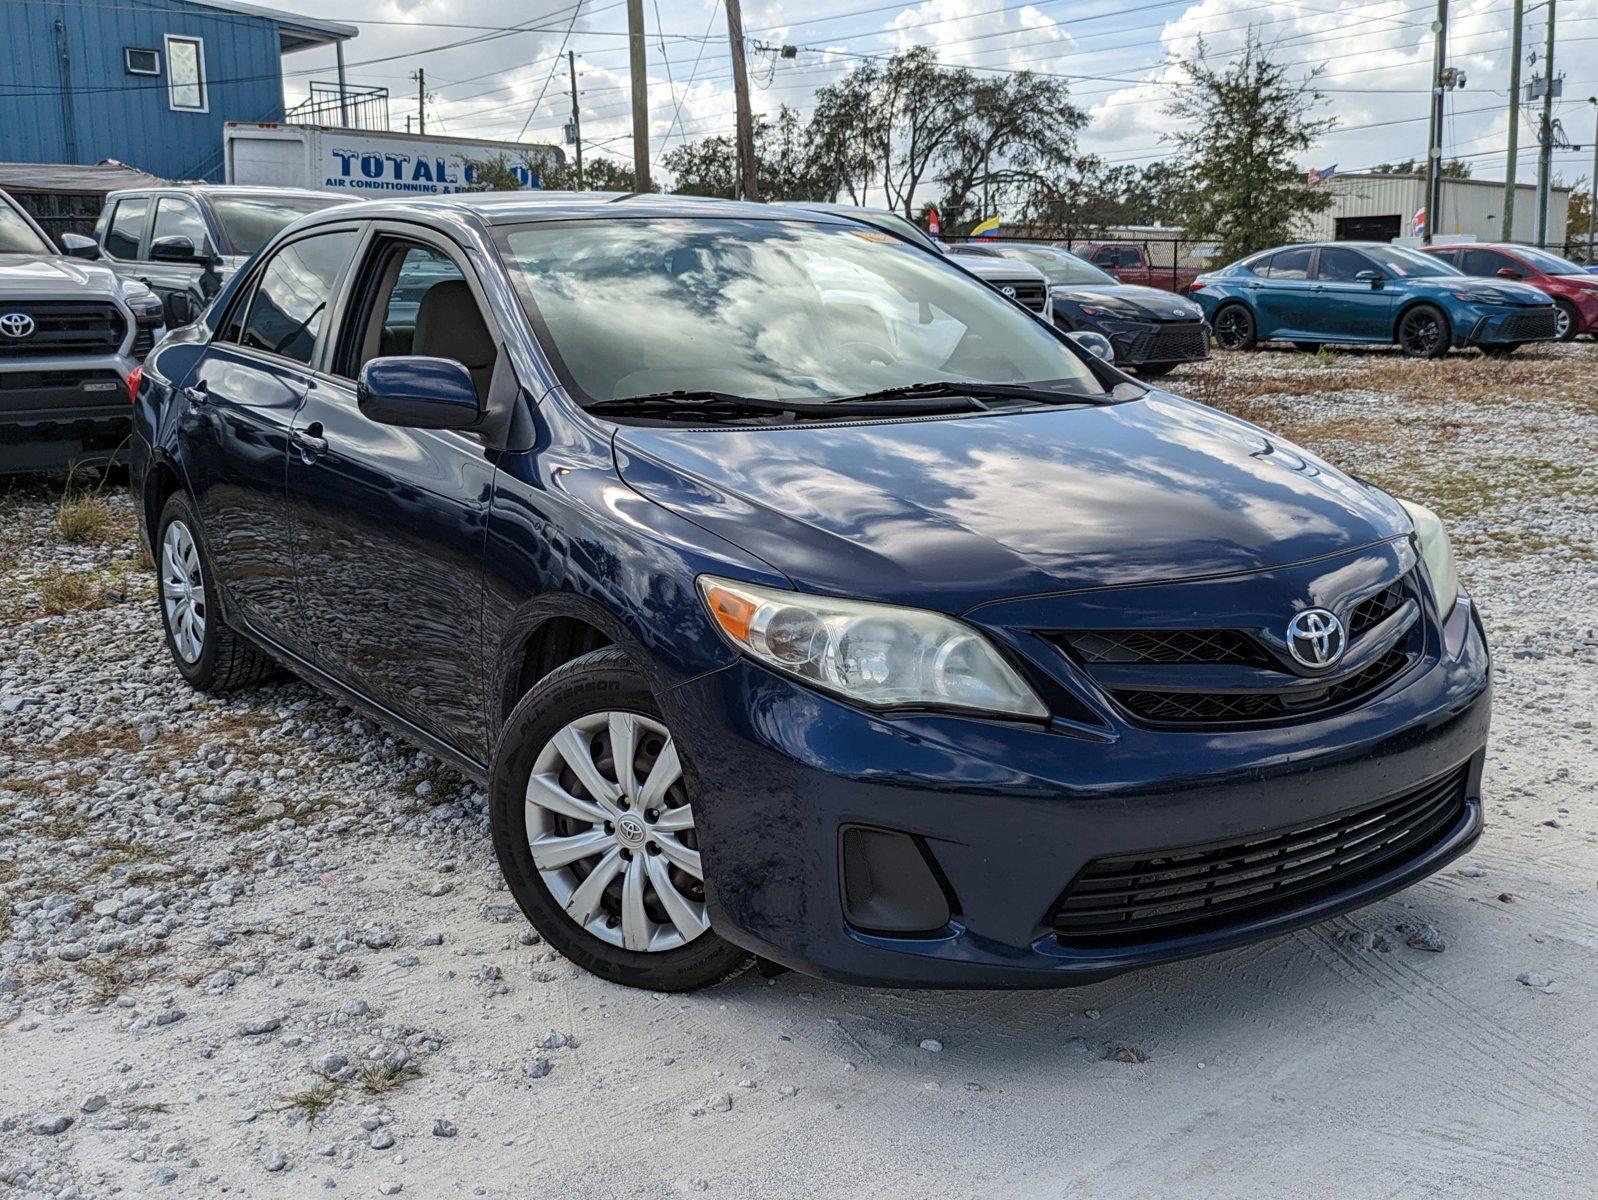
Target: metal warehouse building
x,y
1379,208
147,82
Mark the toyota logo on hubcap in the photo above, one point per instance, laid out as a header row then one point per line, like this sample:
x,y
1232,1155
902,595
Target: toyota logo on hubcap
x,y
16,325
1315,638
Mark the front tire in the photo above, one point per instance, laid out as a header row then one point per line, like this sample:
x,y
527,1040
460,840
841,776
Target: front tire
x,y
1423,332
1235,328
209,655
1567,321
594,829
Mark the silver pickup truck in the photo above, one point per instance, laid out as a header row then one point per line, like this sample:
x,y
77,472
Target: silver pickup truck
x,y
70,332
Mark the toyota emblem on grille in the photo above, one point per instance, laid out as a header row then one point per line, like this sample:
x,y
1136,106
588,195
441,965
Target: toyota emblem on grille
x,y
1315,638
1008,291
16,325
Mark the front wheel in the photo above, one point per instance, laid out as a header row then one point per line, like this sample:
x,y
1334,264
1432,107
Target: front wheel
x,y
1423,332
1235,329
1567,322
209,655
595,829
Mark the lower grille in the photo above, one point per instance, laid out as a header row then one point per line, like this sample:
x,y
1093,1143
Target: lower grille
x,y
1178,343
1130,899
1530,326
65,327
1211,708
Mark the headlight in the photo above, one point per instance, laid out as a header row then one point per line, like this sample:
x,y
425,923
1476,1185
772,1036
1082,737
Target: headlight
x,y
1483,296
1437,553
142,302
876,654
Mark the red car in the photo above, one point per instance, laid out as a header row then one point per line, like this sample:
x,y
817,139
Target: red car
x,y
1574,291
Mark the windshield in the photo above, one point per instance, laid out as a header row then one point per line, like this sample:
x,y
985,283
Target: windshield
x,y
19,237
1060,267
779,310
249,222
1409,264
1548,264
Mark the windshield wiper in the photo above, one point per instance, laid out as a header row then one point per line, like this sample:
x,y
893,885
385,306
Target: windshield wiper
x,y
694,404
937,388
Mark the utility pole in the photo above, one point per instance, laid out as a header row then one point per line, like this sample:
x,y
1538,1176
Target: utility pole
x,y
577,117
636,68
1434,138
1545,133
421,100
1506,231
1592,183
748,186
343,93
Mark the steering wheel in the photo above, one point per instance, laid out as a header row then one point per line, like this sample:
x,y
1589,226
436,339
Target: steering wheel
x,y
869,351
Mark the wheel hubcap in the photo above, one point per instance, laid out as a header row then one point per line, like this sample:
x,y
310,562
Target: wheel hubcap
x,y
183,591
1561,322
612,834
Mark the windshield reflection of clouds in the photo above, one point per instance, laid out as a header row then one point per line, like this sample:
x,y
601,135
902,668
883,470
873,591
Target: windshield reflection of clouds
x,y
778,310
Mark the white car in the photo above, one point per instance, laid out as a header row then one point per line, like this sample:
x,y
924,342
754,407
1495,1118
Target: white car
x,y
70,334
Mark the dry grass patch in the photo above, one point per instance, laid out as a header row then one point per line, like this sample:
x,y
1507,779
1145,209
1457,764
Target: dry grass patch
x,y
62,592
378,1079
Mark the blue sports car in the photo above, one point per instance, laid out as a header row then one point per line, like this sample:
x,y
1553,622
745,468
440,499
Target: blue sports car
x,y
1370,293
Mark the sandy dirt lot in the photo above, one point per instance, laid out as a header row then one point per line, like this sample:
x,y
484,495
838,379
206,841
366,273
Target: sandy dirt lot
x,y
255,947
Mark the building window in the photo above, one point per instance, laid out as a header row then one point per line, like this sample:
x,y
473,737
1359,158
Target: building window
x,y
185,70
141,62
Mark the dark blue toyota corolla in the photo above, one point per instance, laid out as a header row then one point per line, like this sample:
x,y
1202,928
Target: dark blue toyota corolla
x,y
795,595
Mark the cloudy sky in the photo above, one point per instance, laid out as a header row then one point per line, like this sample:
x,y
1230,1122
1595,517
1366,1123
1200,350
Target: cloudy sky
x,y
1376,56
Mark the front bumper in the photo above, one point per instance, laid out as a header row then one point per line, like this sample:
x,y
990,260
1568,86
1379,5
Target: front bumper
x,y
1139,342
59,409
1500,325
1011,812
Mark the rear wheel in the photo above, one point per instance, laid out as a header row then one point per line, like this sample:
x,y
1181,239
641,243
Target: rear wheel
x,y
205,651
1423,332
595,829
1235,329
1567,321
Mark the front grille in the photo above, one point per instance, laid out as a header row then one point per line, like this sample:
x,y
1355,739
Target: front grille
x,y
143,343
1368,614
1167,646
1132,899
64,327
1217,708
1028,293
1544,323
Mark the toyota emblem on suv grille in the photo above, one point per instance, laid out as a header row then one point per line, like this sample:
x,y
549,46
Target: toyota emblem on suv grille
x,y
16,325
1315,638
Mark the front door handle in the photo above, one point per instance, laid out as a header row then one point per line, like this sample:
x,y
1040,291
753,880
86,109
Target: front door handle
x,y
200,393
310,441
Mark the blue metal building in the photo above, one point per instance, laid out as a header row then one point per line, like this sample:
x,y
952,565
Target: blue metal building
x,y
147,82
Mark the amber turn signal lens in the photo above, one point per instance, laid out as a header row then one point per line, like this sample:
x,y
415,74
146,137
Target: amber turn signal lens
x,y
732,612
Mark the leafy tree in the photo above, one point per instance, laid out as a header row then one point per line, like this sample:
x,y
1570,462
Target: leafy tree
x,y
1454,168
920,106
599,175
786,168
1579,217
497,172
1244,123
843,133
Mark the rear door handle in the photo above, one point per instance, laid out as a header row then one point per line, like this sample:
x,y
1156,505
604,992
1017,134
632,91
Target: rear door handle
x,y
310,441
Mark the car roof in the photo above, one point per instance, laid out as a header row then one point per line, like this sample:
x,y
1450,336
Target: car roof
x,y
227,189
508,208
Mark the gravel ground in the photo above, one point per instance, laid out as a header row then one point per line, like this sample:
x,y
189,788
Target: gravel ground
x,y
257,947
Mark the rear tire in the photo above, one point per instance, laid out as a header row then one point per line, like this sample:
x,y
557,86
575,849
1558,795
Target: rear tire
x,y
1423,332
1569,321
1235,328
587,771
209,655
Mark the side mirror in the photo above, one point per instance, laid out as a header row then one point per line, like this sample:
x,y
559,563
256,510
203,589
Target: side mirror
x,y
1508,273
416,392
179,249
78,246
1095,344
1374,278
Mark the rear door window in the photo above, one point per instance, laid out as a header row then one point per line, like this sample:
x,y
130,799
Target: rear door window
x,y
1487,262
1286,265
296,287
126,230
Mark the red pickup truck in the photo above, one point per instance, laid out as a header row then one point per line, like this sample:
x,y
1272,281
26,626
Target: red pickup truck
x,y
1129,263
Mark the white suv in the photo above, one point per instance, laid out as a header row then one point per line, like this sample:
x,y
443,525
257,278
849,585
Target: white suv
x,y
70,332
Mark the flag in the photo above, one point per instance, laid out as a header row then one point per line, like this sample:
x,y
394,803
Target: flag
x,y
932,222
987,228
1420,223
1316,178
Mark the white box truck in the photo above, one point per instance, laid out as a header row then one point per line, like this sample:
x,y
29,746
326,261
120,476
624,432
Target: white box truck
x,y
370,162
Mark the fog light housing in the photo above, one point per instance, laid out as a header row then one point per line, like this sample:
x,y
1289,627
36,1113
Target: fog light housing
x,y
889,884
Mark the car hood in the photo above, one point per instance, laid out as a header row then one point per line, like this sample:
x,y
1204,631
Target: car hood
x,y
41,276
947,514
1514,291
1151,302
999,268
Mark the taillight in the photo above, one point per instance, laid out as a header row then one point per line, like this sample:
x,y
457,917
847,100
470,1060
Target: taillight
x,y
134,376
1193,287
